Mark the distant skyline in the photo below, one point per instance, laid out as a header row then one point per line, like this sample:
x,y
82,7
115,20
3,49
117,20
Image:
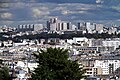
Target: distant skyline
x,y
15,12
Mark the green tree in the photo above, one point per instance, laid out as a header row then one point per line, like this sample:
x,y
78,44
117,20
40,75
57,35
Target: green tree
x,y
4,73
54,65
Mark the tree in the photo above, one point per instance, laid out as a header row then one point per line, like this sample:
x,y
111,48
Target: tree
x,y
4,73
117,72
54,65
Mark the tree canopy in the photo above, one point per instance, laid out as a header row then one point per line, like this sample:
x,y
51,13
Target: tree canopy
x,y
4,73
54,65
117,72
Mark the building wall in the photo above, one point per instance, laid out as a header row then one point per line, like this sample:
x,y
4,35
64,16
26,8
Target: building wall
x,y
111,43
106,64
57,25
82,27
38,27
26,27
99,28
77,40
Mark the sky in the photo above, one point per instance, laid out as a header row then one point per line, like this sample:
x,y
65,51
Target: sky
x,y
16,12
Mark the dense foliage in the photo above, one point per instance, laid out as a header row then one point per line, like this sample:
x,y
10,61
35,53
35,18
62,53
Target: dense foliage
x,y
67,36
54,65
4,73
55,35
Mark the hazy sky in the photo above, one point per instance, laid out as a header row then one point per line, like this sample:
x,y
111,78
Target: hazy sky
x,y
14,12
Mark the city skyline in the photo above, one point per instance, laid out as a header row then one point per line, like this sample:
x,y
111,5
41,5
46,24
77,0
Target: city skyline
x,y
15,12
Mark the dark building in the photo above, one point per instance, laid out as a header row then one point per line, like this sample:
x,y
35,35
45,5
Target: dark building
x,y
82,26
